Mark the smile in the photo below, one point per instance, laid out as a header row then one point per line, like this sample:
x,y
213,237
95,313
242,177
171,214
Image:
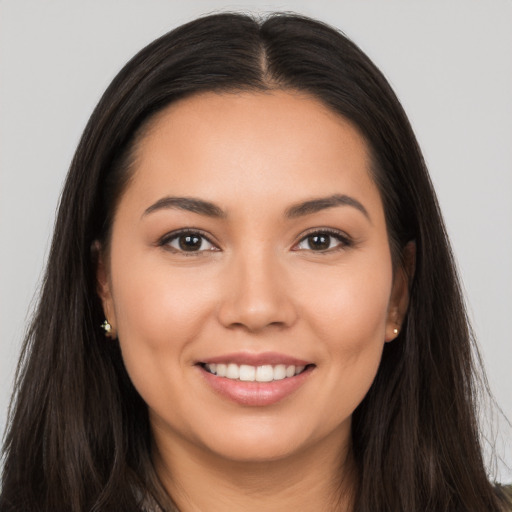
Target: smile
x,y
256,380
248,373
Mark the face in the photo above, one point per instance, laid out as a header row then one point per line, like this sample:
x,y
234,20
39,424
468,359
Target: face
x,y
249,276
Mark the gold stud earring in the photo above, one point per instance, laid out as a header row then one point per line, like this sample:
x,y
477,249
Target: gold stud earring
x,y
109,331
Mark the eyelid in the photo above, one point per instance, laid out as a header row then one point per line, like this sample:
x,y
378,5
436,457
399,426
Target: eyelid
x,y
344,239
165,240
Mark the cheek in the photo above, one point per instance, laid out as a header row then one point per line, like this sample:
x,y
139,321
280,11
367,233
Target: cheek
x,y
159,313
348,314
350,303
153,301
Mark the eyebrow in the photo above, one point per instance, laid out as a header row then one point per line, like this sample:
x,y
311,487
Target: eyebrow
x,y
323,203
189,204
202,207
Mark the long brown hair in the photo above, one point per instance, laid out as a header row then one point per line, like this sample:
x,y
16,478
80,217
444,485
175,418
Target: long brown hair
x,y
78,436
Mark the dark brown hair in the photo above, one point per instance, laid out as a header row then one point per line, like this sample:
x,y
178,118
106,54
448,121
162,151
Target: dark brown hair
x,y
78,438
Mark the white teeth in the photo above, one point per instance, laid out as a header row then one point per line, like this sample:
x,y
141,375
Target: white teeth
x,y
221,370
279,372
299,369
232,372
264,373
248,373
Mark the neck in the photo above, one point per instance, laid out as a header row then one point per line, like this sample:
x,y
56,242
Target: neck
x,y
320,477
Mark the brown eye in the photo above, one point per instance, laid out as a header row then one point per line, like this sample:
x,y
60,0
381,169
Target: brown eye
x,y
188,241
320,242
323,241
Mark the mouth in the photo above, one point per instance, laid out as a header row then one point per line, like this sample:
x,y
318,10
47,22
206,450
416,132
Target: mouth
x,y
255,380
250,373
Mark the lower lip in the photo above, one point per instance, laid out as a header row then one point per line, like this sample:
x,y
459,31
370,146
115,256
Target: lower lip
x,y
255,394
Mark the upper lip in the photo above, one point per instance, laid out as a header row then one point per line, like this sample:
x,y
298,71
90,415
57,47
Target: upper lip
x,y
251,359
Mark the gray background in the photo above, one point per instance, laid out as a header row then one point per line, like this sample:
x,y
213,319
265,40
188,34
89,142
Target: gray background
x,y
450,63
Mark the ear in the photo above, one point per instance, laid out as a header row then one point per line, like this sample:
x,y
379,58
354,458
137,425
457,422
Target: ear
x,y
399,300
104,286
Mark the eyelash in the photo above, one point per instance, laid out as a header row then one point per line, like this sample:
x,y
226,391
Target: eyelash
x,y
344,241
166,240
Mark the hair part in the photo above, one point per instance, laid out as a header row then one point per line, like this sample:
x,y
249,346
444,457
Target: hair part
x,y
79,435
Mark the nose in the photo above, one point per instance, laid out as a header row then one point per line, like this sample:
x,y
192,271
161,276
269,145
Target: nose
x,y
256,295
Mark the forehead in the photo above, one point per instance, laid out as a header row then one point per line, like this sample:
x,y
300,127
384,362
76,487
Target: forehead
x,y
279,145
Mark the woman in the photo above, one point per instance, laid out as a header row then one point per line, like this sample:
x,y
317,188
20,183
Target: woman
x,y
250,299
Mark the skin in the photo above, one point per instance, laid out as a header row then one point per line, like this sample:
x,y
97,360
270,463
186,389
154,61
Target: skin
x,y
258,287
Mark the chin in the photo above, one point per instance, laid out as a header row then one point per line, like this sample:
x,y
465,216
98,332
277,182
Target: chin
x,y
255,449
264,440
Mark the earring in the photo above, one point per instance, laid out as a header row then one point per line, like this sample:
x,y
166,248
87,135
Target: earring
x,y
109,331
395,331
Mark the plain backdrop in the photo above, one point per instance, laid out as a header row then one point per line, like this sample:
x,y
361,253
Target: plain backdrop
x,y
450,63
